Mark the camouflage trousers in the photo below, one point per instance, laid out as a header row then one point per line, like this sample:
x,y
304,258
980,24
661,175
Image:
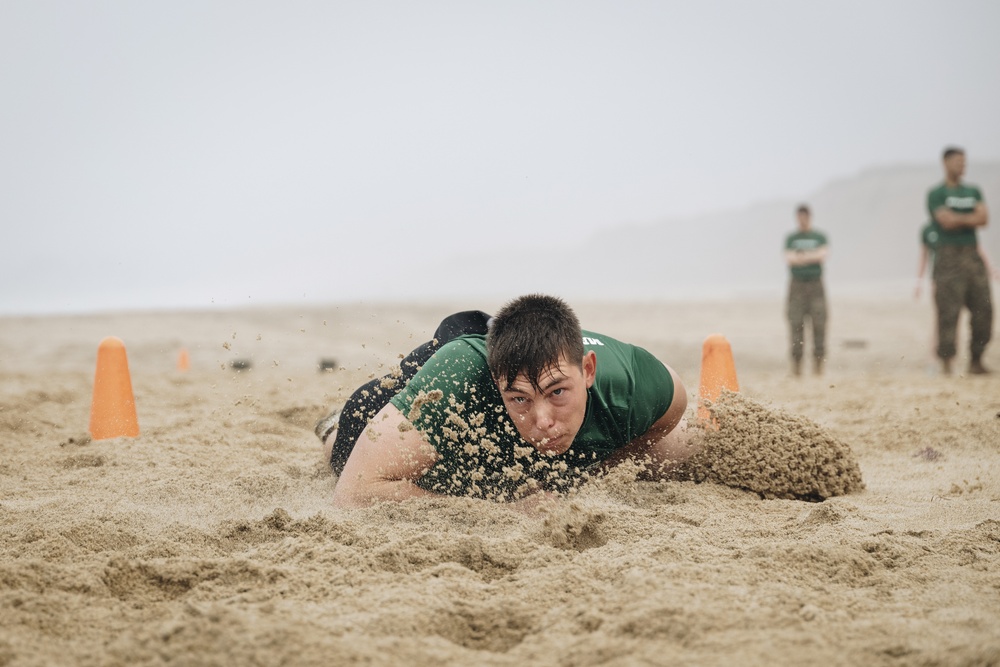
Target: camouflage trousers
x,y
961,281
807,300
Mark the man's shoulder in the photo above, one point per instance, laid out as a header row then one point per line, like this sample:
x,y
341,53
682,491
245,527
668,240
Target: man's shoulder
x,y
597,339
456,367
465,341
608,347
470,349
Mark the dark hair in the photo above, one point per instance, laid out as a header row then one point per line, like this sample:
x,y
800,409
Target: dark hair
x,y
952,150
803,209
529,335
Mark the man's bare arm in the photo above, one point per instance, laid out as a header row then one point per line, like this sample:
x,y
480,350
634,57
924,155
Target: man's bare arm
x,y
387,460
948,219
803,257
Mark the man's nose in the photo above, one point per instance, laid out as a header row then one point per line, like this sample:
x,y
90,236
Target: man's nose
x,y
544,418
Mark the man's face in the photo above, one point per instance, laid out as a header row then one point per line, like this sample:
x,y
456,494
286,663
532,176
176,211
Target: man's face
x,y
803,218
549,416
954,165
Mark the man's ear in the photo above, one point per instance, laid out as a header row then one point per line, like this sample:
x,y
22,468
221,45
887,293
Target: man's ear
x,y
589,367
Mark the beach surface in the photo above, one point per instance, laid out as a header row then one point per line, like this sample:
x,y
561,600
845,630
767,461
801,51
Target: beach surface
x,y
210,538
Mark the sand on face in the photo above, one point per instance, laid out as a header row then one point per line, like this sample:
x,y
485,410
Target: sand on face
x,y
210,537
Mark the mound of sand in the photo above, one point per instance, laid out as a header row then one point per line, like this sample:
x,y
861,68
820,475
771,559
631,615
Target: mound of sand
x,y
772,453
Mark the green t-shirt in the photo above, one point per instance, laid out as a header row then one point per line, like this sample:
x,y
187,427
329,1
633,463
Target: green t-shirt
x,y
962,199
809,240
481,452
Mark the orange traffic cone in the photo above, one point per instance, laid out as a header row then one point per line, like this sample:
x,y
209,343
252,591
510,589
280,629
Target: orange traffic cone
x,y
183,360
718,372
112,412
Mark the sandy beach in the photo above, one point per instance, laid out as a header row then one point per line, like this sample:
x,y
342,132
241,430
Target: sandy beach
x,y
210,538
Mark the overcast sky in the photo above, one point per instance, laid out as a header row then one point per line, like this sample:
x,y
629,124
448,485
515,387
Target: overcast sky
x,y
164,154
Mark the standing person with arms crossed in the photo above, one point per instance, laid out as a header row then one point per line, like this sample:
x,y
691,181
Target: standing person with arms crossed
x,y
517,407
961,280
805,252
928,244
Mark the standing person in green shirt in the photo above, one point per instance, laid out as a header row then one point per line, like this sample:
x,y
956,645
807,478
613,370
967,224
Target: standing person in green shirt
x,y
805,252
929,237
960,277
511,408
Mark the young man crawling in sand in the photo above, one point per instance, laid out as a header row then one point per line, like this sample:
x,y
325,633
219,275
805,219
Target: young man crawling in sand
x,y
510,408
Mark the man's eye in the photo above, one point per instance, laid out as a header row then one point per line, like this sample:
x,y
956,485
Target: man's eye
x,y
558,392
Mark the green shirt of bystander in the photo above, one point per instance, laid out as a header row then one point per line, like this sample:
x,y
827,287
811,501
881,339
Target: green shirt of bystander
x,y
806,241
960,199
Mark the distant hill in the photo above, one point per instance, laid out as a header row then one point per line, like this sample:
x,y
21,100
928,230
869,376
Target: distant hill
x,y
873,220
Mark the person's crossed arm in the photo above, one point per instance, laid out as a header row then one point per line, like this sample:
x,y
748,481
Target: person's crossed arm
x,y
804,257
949,219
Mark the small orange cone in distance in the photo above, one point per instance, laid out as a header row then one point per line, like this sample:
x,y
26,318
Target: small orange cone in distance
x,y
112,412
718,372
183,360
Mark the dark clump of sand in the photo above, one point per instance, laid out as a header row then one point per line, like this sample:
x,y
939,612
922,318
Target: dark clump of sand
x,y
771,452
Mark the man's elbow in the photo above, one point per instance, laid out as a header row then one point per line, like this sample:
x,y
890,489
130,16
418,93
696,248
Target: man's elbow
x,y
350,492
366,491
346,499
